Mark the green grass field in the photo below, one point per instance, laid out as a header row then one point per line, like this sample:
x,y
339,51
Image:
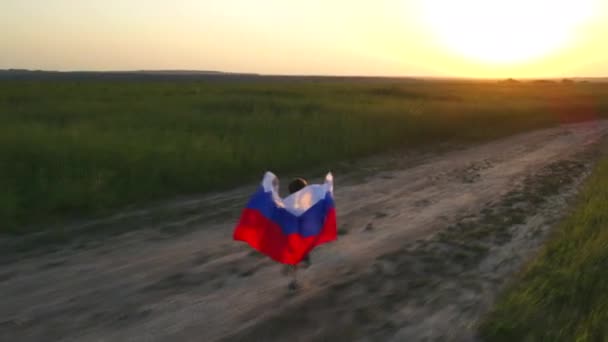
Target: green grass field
x,y
563,294
79,148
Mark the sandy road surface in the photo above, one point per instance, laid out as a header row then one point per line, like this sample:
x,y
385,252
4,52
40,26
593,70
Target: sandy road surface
x,y
426,242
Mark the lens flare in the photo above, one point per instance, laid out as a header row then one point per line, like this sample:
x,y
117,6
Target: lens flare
x,y
506,32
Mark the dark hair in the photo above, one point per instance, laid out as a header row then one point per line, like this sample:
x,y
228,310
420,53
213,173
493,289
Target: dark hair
x,y
297,185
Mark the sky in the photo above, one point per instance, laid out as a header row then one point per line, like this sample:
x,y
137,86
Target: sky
x,y
465,38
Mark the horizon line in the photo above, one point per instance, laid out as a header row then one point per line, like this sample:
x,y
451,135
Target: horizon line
x,y
236,73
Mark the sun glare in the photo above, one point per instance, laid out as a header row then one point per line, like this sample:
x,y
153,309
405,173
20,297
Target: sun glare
x,y
506,31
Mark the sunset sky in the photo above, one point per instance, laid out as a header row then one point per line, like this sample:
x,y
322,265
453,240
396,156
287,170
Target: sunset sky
x,y
471,38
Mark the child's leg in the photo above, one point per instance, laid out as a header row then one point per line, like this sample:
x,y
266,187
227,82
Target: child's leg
x,y
293,285
306,261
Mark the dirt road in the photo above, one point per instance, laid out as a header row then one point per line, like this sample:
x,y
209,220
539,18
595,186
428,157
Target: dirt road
x,y
426,242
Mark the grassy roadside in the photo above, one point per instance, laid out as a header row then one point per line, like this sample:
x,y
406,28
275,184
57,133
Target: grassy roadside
x,y
563,294
77,148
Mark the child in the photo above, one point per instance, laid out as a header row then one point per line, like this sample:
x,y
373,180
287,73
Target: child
x,y
295,186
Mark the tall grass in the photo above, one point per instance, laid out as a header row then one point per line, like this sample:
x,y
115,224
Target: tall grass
x,y
74,148
562,295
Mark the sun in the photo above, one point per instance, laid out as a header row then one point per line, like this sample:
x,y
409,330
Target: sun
x,y
505,31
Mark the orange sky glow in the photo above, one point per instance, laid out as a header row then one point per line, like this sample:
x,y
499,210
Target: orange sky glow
x,y
468,38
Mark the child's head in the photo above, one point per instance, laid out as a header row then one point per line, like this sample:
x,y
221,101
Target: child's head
x,y
297,185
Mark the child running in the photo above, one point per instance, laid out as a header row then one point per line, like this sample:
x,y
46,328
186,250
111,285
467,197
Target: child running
x,y
295,186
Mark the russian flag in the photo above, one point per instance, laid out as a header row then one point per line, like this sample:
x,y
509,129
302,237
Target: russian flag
x,y
288,229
